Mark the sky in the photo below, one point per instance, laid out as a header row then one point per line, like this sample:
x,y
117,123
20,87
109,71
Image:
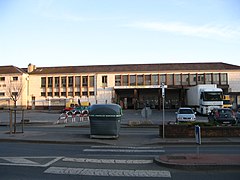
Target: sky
x,y
50,33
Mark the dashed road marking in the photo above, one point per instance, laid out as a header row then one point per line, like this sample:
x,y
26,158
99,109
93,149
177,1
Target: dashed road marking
x,y
126,150
127,147
107,172
107,161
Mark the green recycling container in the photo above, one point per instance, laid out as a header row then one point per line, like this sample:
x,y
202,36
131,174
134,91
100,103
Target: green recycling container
x,y
105,120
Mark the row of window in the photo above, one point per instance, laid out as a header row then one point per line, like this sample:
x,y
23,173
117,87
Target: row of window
x,y
69,81
171,79
15,78
84,93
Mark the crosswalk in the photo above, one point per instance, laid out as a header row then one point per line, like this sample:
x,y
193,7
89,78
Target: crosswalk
x,y
108,172
127,163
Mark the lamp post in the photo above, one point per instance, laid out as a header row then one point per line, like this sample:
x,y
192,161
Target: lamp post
x,y
163,86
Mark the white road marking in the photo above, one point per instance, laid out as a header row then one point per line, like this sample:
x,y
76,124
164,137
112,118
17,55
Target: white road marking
x,y
107,172
19,160
126,150
127,147
24,161
107,161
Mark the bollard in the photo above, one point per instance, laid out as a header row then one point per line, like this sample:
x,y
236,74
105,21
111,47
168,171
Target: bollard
x,y
22,119
10,121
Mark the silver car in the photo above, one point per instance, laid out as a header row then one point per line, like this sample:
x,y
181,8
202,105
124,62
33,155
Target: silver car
x,y
185,114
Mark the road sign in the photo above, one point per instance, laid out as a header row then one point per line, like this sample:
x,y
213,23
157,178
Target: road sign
x,y
198,134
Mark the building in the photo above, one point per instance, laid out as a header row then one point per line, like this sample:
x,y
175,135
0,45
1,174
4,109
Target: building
x,y
13,84
131,85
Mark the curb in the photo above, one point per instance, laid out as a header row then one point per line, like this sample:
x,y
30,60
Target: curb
x,y
52,141
88,141
194,143
195,166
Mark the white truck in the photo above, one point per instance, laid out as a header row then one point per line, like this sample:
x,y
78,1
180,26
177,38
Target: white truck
x,y
205,97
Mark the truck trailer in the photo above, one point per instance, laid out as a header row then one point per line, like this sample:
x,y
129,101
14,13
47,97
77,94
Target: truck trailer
x,y
205,97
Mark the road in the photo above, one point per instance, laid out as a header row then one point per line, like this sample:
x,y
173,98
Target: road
x,y
66,161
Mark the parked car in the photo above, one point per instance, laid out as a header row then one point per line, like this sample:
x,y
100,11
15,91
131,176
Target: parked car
x,y
222,116
185,114
238,116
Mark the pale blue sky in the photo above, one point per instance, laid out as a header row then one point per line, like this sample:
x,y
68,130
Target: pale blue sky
x,y
92,32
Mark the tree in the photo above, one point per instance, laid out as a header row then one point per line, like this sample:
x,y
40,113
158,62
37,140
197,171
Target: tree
x,y
14,92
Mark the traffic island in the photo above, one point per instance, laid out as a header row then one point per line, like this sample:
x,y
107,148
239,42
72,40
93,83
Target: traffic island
x,y
188,131
199,161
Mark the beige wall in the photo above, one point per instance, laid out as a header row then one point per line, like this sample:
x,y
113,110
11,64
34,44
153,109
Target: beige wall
x,y
234,81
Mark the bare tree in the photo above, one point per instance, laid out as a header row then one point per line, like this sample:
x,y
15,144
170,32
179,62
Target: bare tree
x,y
14,92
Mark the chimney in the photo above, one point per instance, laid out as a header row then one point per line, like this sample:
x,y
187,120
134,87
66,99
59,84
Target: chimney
x,y
31,67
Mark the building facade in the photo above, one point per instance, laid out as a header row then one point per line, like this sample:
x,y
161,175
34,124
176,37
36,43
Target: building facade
x,y
132,86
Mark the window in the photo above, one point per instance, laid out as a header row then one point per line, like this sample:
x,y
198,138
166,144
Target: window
x,y
132,80
84,81
125,80
70,93
85,93
15,78
2,94
91,93
56,81
2,78
49,93
177,79
215,78
63,81
162,78
208,78
77,81
15,94
63,93
200,78
43,81
155,79
185,79
193,79
170,79
91,81
56,93
43,94
140,80
77,93
117,80
147,80
70,81
104,81
224,78
50,81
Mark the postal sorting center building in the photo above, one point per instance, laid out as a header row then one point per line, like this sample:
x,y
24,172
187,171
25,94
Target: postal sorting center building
x,y
130,85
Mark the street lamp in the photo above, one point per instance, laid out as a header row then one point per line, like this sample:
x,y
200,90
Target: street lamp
x,y
163,86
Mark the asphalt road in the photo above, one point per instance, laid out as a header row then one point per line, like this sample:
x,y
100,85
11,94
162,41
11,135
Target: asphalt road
x,y
61,161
